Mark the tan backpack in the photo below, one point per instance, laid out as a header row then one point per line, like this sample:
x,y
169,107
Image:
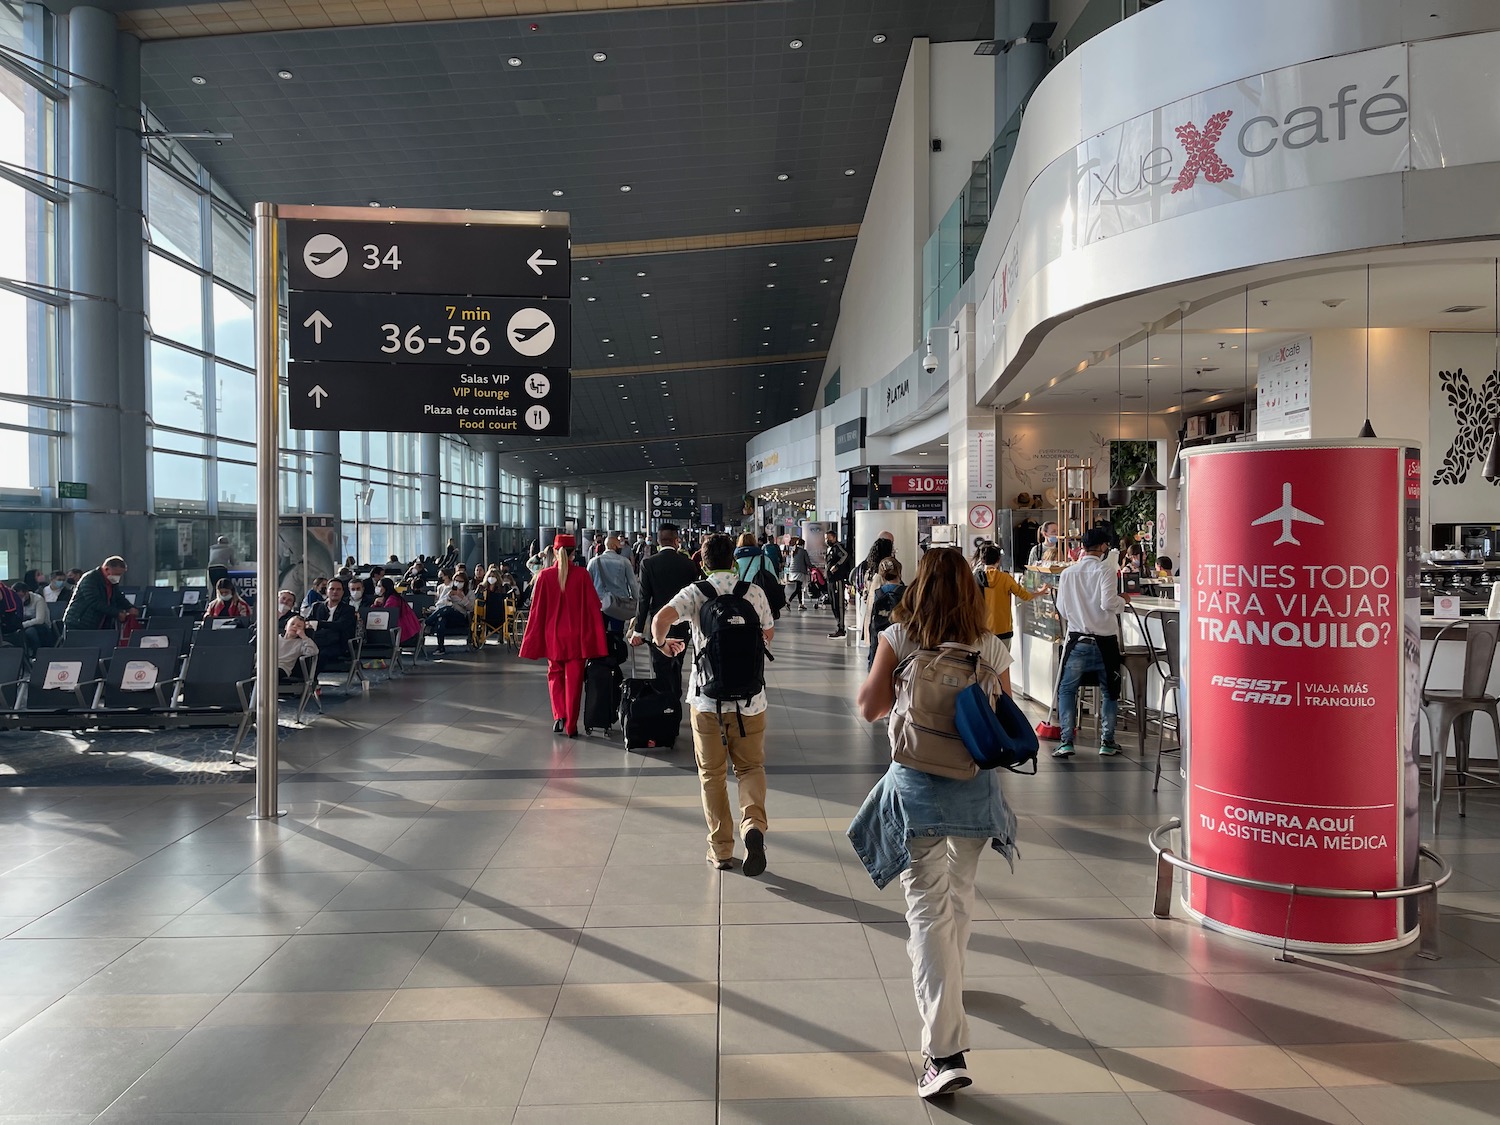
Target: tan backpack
x,y
928,682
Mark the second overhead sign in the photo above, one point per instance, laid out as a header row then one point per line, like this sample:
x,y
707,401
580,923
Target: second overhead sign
x,y
405,328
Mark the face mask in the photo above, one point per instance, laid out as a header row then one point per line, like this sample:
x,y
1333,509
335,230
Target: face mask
x,y
114,579
57,584
226,598
357,592
491,580
1051,539
286,607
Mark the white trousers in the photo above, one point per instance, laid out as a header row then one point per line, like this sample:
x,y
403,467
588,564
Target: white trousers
x,y
939,888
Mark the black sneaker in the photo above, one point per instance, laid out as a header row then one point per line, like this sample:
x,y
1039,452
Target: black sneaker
x,y
1063,751
755,852
834,636
943,1076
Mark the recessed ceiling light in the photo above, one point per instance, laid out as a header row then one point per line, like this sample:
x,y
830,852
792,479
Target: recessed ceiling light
x,y
640,274
878,39
783,176
611,355
822,281
771,264
656,353
736,210
922,454
622,386
645,294
584,278
815,324
770,285
811,340
656,337
285,75
795,44
624,187
199,80
593,298
374,203
557,191
848,171
600,56
513,61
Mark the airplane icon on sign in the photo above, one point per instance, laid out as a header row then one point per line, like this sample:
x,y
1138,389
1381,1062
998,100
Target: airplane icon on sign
x,y
1286,515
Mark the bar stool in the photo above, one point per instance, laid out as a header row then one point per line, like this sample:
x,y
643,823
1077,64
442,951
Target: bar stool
x,y
1451,712
1171,683
1136,662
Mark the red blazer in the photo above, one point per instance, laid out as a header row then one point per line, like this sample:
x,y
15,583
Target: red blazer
x,y
566,622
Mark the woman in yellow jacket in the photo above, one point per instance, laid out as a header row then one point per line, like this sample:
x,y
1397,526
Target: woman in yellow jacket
x,y
998,587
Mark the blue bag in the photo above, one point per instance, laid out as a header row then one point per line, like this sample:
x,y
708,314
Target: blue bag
x,y
995,736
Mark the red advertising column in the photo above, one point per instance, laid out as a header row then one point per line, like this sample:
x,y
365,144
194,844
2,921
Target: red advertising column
x,y
1300,657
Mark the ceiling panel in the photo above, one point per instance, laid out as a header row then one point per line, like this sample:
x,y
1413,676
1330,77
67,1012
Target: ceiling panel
x,y
699,110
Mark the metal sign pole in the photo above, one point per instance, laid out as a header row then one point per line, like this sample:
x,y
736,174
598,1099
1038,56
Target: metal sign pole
x,y
268,505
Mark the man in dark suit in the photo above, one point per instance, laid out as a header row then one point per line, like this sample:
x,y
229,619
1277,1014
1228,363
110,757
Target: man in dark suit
x,y
664,575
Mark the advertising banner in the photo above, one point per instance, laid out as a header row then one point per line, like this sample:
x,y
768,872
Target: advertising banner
x,y
1299,717
1283,392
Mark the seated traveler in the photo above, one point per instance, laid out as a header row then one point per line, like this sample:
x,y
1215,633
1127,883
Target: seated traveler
x,y
337,623
292,646
227,601
452,611
406,617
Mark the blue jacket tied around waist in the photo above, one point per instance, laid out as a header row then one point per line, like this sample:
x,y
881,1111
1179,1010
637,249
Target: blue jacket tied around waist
x,y
906,803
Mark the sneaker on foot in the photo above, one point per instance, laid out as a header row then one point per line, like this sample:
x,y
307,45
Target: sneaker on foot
x,y
1108,748
943,1076
1063,751
725,864
755,852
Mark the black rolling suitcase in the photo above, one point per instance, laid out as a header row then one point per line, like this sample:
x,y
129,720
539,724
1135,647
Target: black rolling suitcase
x,y
601,694
650,717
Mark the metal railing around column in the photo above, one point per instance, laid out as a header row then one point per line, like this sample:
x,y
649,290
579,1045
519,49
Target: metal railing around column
x,y
1427,911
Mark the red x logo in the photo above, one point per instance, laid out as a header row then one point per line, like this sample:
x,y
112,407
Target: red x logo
x,y
1201,156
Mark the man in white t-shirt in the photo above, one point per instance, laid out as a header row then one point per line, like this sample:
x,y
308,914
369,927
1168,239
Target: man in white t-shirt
x,y
727,734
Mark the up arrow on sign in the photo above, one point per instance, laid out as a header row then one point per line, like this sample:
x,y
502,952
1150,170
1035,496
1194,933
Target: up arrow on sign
x,y
317,322
317,394
536,262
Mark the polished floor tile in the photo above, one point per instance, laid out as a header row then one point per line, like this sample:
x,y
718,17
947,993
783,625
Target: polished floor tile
x,y
464,921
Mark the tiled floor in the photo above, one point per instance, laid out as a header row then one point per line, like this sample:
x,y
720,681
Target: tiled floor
x,y
463,920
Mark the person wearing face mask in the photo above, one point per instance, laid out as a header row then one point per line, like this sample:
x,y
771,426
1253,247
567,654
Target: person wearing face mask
x,y
286,609
452,611
36,621
97,602
315,592
1046,537
337,624
227,601
360,595
56,590
390,598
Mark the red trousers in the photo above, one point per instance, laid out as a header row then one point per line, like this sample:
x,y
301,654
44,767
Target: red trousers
x,y
565,686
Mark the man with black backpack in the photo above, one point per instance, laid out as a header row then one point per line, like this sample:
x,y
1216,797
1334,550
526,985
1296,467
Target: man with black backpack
x,y
731,622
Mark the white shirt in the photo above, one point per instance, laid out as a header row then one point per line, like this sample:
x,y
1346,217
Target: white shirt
x,y
687,604
1088,597
992,650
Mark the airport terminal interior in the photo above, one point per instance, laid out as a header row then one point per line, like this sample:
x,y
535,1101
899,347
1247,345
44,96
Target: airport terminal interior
x,y
1195,299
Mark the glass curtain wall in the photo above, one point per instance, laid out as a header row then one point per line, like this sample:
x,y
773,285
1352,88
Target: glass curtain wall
x,y
33,292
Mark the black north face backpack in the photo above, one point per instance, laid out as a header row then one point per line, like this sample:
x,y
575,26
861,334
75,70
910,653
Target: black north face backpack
x,y
732,660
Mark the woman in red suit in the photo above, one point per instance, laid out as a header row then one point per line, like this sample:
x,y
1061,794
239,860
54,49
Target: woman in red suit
x,y
566,627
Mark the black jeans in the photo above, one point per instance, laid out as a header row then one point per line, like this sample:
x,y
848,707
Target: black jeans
x,y
794,592
836,598
447,618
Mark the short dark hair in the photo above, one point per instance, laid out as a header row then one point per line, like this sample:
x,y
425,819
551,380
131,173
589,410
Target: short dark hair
x,y
991,555
1097,537
718,552
224,584
1164,562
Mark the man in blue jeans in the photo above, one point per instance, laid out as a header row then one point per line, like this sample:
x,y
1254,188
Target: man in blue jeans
x,y
1089,602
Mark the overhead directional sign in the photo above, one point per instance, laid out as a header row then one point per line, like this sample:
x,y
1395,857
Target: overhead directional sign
x,y
429,399
396,257
671,502
418,328
447,322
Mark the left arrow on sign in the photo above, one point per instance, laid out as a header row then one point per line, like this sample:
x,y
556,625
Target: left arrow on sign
x,y
317,322
317,394
536,262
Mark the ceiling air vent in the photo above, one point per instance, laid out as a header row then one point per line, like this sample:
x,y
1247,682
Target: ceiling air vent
x,y
1463,308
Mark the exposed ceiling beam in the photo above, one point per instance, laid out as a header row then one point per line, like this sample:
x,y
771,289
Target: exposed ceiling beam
x,y
670,439
691,365
732,241
240,17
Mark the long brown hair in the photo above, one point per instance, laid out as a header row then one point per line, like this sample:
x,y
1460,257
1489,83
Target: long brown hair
x,y
943,602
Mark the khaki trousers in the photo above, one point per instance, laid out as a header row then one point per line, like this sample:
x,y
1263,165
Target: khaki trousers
x,y
747,753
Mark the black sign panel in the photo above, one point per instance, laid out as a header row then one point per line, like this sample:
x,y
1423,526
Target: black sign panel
x,y
375,257
849,437
419,329
671,502
429,399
